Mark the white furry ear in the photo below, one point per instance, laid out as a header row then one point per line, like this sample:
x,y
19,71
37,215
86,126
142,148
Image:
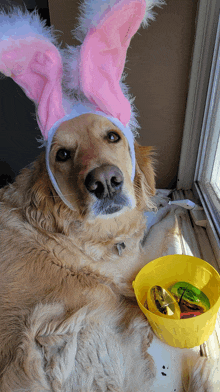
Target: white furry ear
x,y
91,11
29,56
77,76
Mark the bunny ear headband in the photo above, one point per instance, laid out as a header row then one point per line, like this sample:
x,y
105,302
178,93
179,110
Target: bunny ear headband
x,y
30,56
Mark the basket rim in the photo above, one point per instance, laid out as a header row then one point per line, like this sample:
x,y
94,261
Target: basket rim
x,y
210,267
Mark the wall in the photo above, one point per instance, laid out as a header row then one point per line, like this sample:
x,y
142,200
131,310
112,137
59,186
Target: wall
x,y
158,73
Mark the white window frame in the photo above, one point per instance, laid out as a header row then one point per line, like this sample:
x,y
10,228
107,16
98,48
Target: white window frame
x,y
197,109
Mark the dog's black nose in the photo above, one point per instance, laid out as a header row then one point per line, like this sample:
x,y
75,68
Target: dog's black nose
x,y
104,181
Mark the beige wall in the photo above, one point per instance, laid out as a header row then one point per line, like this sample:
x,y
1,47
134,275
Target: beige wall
x,y
158,73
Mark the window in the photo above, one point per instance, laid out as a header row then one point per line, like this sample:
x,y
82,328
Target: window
x,y
207,175
199,167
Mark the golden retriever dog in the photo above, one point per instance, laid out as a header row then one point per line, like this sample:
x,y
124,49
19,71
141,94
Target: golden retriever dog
x,y
72,225
66,274
69,320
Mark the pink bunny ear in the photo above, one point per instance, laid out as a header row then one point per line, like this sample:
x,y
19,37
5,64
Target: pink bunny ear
x,y
103,55
35,65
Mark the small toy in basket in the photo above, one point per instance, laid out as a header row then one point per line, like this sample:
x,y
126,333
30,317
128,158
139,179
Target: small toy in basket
x,y
162,303
191,300
183,300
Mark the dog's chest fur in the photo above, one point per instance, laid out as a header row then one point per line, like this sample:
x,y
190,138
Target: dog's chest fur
x,y
54,267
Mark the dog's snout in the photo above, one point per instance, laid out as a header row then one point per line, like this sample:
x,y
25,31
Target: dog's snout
x,y
104,181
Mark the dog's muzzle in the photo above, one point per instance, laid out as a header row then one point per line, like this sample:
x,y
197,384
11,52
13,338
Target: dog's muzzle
x,y
105,183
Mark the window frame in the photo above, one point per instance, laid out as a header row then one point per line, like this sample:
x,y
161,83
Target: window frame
x,y
196,110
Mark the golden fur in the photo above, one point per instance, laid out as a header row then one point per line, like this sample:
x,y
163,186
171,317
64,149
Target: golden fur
x,y
68,317
50,254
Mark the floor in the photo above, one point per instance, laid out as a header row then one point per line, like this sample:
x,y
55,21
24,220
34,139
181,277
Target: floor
x,y
168,361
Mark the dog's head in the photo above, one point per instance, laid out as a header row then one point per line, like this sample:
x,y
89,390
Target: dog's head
x,y
91,162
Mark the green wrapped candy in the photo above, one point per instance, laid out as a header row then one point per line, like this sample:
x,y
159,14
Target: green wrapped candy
x,y
189,297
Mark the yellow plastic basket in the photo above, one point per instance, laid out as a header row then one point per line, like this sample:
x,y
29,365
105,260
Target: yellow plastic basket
x,y
166,271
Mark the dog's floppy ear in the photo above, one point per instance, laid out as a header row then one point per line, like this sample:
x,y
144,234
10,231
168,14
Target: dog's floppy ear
x,y
39,197
144,173
42,207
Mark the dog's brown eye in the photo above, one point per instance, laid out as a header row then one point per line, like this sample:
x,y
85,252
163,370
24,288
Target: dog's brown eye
x,y
113,137
62,155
